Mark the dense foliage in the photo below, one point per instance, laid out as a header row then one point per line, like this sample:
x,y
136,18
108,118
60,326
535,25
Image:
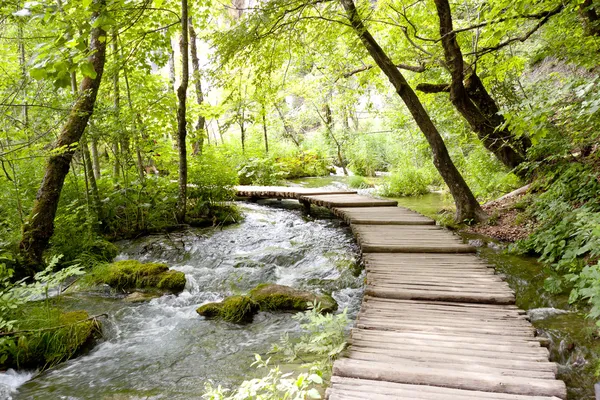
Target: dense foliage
x,y
100,130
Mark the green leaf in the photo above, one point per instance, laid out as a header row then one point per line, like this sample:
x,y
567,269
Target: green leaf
x,y
86,3
87,69
313,394
38,73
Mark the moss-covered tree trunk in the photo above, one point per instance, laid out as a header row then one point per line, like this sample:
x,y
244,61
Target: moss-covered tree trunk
x,y
38,230
474,102
467,206
181,114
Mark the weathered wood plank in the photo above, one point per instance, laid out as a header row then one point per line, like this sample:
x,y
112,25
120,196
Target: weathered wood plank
x,y
399,390
443,362
440,295
283,192
381,216
374,338
346,200
449,378
461,337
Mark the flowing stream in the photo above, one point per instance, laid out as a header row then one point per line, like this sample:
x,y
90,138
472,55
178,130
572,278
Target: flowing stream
x,y
163,349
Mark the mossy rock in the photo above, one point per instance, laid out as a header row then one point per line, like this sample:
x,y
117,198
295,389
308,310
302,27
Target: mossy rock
x,y
131,274
236,309
271,297
265,297
49,337
141,297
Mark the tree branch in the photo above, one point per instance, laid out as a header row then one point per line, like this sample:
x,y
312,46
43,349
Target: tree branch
x,y
413,68
523,38
433,87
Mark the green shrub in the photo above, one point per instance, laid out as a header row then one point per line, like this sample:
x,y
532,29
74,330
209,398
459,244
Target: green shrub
x,y
303,164
260,171
406,181
359,182
323,340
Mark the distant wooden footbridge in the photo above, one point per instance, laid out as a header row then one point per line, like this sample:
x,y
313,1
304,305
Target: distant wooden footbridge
x,y
436,322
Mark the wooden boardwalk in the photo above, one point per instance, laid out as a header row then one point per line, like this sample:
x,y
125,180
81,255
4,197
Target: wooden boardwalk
x,y
436,322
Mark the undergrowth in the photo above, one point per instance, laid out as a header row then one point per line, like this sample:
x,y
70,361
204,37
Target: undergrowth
x,y
323,339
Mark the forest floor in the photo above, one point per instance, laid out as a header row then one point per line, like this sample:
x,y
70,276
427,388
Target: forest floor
x,y
507,221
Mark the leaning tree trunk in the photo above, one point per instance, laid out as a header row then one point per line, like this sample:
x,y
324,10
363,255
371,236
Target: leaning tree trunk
x,y
40,227
467,207
181,115
473,101
264,124
200,130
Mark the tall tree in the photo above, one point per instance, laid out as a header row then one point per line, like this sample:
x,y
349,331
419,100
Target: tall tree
x,y
181,114
200,124
467,207
39,228
472,100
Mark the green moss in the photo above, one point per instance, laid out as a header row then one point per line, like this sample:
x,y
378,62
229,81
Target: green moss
x,y
265,297
48,336
271,297
236,309
132,274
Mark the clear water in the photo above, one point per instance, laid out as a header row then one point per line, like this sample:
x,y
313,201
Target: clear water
x,y
164,349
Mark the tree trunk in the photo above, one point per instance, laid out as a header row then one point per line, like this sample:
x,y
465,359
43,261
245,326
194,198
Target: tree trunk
x,y
467,207
328,120
264,124
117,106
473,101
200,130
181,115
24,77
243,133
137,123
591,19
287,128
93,189
95,154
40,227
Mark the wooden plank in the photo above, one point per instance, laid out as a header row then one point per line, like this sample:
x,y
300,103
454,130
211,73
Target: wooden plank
x,y
399,390
457,305
393,349
449,378
444,362
284,191
383,324
440,295
376,338
444,319
433,316
346,200
449,326
382,216
460,337
423,258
